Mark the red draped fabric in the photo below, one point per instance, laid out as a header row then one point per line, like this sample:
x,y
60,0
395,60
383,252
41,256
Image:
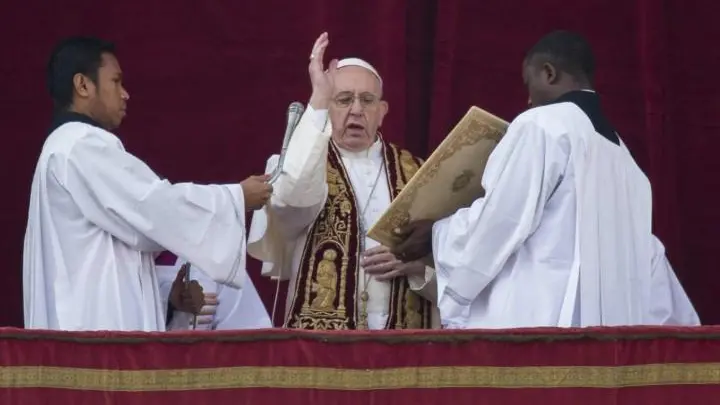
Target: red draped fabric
x,y
624,366
210,81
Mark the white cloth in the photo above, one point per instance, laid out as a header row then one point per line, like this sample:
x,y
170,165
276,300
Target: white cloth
x,y
670,303
235,309
561,238
278,233
97,217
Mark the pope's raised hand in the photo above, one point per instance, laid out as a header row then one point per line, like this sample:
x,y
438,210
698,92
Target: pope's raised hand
x,y
322,80
257,191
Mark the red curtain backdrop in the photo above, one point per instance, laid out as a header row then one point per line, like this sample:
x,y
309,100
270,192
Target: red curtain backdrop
x,y
210,81
607,366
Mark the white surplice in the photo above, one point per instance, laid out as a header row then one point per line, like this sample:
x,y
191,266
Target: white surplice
x,y
278,233
235,309
97,218
561,238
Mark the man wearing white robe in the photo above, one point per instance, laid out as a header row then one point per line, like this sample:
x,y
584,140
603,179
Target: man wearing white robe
x,y
563,234
225,308
98,215
339,278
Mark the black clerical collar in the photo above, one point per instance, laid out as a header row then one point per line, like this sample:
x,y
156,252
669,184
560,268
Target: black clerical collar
x,y
63,117
589,103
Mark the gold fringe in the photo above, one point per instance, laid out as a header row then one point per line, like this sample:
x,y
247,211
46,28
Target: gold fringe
x,y
359,379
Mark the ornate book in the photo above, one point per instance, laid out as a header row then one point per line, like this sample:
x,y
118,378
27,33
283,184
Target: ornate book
x,y
450,179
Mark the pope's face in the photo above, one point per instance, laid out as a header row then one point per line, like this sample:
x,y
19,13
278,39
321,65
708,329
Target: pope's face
x,y
357,110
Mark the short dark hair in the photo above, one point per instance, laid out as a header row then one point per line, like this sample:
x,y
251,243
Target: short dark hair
x,y
72,56
567,51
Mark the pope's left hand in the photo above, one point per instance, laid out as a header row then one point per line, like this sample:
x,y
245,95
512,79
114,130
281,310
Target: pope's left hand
x,y
382,263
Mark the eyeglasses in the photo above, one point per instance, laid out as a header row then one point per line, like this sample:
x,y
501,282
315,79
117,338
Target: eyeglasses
x,y
345,99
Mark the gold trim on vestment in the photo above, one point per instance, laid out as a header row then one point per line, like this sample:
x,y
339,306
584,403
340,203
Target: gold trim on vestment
x,y
359,379
325,296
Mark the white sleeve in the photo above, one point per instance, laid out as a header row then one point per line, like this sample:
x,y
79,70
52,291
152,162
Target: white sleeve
x,y
122,195
303,182
669,303
472,246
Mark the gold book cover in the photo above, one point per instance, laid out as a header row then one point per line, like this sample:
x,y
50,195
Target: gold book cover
x,y
450,179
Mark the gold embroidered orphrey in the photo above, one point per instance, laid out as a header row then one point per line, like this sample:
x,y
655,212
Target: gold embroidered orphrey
x,y
325,295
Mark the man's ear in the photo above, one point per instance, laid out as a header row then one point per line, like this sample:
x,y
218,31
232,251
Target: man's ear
x,y
83,85
550,73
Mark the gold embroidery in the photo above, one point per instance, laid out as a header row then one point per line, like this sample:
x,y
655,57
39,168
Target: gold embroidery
x,y
325,294
335,184
400,181
360,380
325,286
399,218
408,164
413,306
410,310
399,319
362,316
332,234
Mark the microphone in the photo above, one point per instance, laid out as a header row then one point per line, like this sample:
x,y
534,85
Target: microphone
x,y
294,113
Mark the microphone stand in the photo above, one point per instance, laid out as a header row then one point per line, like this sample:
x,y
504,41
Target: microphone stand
x,y
187,286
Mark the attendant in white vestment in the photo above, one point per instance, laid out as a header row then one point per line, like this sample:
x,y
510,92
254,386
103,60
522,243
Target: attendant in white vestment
x,y
339,176
563,235
98,215
224,308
